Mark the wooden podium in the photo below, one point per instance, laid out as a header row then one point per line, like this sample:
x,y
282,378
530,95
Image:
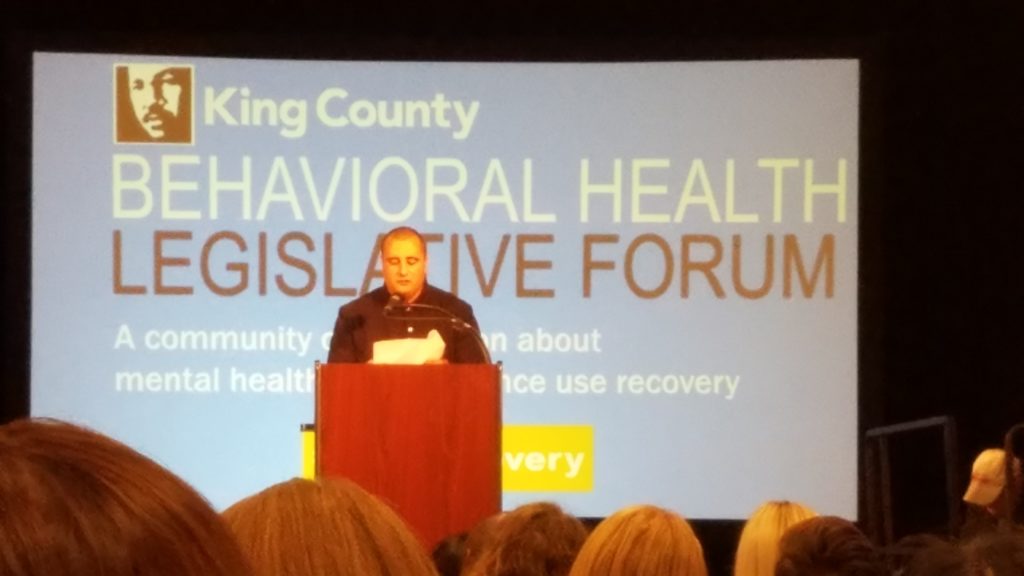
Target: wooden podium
x,y
425,439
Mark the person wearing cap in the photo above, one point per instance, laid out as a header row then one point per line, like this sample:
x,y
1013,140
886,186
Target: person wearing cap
x,y
985,496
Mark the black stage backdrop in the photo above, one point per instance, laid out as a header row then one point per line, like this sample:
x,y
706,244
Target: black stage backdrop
x,y
942,137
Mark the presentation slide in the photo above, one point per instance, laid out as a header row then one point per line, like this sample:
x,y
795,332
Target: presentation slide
x,y
662,255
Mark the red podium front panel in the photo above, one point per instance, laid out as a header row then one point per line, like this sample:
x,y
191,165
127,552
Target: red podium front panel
x,y
425,439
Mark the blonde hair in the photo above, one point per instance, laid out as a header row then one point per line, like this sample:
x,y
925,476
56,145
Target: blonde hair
x,y
73,501
327,527
641,541
758,548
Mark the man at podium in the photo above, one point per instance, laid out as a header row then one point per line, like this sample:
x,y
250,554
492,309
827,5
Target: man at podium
x,y
406,313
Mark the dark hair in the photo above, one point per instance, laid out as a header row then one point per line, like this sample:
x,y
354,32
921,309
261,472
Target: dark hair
x,y
537,539
999,553
927,555
1014,448
448,554
827,546
73,501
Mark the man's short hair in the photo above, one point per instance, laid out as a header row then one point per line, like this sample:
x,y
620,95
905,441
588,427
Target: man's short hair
x,y
402,233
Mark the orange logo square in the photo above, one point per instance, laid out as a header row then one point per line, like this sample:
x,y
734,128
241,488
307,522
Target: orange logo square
x,y
153,103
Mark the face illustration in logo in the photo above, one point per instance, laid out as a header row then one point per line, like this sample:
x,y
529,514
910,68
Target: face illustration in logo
x,y
154,103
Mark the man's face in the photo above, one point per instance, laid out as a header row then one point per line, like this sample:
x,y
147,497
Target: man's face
x,y
405,267
155,91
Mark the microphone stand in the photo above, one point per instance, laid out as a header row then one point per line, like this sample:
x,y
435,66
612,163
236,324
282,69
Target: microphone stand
x,y
436,314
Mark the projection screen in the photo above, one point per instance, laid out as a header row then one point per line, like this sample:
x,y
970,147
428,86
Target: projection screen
x,y
662,255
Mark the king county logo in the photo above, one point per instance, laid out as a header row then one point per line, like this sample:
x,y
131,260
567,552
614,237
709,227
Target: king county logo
x,y
153,103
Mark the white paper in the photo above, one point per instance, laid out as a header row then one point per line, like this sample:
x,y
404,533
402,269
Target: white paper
x,y
409,350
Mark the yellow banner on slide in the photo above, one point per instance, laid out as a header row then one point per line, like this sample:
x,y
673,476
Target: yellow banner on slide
x,y
308,434
547,458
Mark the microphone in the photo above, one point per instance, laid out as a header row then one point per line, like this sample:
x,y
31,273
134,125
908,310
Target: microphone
x,y
395,301
426,312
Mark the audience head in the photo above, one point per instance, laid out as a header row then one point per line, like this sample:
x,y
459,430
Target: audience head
x,y
758,548
925,555
641,541
537,539
73,501
827,546
449,553
328,527
480,538
999,553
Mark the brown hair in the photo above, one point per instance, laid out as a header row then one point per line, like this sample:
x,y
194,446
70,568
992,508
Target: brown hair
x,y
479,539
641,541
999,553
328,527
536,539
73,501
928,555
827,545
